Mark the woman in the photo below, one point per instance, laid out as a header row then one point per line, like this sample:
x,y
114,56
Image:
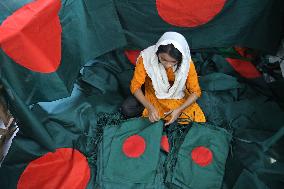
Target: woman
x,y
170,82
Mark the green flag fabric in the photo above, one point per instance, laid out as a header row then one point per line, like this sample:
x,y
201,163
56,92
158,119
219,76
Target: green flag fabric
x,y
201,157
236,23
111,126
134,152
85,35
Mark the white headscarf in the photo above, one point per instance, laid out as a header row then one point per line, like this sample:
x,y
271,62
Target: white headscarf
x,y
157,72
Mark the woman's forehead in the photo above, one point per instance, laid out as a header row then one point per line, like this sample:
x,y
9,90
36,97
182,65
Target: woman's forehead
x,y
166,57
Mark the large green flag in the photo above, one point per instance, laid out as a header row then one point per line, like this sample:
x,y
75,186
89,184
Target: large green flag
x,y
45,43
43,49
206,24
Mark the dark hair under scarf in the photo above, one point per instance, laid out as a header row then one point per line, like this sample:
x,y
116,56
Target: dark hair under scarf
x,y
172,51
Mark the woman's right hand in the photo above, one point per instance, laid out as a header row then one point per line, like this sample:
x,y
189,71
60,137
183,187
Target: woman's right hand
x,y
153,114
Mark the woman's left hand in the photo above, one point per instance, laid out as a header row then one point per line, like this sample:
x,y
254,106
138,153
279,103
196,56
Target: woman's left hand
x,y
174,115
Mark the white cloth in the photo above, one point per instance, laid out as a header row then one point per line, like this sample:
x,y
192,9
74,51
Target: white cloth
x,y
157,72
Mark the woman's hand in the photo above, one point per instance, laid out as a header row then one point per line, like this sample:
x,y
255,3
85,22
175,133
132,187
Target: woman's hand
x,y
153,114
174,115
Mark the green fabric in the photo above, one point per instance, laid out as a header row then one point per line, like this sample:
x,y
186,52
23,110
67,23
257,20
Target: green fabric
x,y
277,88
111,126
223,31
106,80
251,160
34,87
66,123
249,180
8,7
218,82
28,122
121,168
188,174
89,29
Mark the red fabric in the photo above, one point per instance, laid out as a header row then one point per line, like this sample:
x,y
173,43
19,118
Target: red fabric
x,y
243,52
31,36
202,156
134,146
165,143
132,55
65,168
244,68
188,13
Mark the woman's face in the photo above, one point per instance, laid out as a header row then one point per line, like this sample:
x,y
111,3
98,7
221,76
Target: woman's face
x,y
166,60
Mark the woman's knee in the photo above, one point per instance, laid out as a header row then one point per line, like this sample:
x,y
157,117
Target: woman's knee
x,y
131,107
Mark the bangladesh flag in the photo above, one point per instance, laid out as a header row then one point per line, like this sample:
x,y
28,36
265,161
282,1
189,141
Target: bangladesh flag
x,y
206,24
68,158
44,43
134,152
201,157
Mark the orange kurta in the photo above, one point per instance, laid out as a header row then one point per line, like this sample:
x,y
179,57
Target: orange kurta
x,y
140,77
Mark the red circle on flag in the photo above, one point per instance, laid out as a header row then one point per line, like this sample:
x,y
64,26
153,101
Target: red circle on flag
x,y
189,13
64,168
165,143
31,36
202,156
134,146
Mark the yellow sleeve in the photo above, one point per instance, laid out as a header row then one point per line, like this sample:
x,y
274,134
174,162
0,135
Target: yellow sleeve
x,y
192,83
139,75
